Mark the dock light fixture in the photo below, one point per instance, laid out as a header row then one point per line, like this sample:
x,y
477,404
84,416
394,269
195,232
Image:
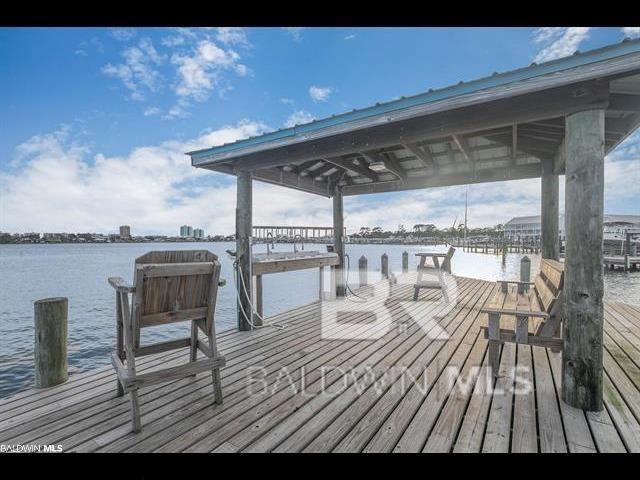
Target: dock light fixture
x,y
378,166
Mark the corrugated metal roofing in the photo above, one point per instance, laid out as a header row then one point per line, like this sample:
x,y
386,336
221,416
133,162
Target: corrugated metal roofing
x,y
578,59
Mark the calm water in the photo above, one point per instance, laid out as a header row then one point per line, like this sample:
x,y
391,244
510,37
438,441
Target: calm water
x,y
79,272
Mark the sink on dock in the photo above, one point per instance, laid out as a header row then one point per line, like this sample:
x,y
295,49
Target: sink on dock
x,y
84,414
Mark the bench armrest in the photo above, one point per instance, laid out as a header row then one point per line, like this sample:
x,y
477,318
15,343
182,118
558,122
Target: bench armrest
x,y
515,282
519,313
121,285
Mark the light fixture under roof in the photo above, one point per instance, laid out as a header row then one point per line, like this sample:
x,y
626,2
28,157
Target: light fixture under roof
x,y
378,166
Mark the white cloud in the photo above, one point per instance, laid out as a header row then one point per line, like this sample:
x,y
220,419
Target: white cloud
x,y
123,34
631,32
154,187
350,37
319,94
298,118
151,111
294,32
138,72
232,36
558,42
199,72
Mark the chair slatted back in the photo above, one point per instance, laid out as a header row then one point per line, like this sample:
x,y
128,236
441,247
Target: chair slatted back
x,y
549,283
175,286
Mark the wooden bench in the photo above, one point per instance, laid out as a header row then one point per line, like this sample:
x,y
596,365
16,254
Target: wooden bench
x,y
528,313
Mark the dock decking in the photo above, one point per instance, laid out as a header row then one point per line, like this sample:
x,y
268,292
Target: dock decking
x,y
363,400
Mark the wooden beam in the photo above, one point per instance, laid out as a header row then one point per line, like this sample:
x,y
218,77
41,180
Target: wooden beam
x,y
320,171
462,145
622,102
531,170
349,165
422,153
582,366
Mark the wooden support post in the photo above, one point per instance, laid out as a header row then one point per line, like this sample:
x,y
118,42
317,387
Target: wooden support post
x,y
362,271
405,262
50,318
627,253
384,266
550,188
243,247
338,242
525,274
257,300
583,284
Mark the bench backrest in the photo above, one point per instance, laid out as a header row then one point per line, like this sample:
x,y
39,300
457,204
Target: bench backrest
x,y
446,263
175,286
549,283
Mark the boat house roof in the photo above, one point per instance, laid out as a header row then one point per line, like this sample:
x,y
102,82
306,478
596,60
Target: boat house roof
x,y
501,127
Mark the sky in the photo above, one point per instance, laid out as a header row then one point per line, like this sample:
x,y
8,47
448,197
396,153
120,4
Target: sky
x,y
94,122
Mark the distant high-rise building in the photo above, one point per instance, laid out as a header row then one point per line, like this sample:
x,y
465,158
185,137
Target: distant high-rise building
x,y
186,231
198,233
125,231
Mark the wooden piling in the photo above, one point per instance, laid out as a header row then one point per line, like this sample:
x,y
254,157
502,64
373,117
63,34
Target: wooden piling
x,y
50,319
243,247
405,262
384,266
338,242
525,273
582,376
550,192
362,271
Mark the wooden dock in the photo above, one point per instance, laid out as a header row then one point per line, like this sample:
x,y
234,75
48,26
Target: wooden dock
x,y
456,410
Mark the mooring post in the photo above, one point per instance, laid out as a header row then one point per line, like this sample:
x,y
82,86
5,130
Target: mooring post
x,y
50,319
525,274
384,266
362,270
405,261
582,377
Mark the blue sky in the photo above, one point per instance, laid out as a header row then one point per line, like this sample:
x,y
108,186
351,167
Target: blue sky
x,y
95,121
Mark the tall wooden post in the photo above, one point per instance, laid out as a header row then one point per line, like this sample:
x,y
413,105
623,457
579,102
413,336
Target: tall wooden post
x,y
50,317
338,241
243,248
583,284
550,192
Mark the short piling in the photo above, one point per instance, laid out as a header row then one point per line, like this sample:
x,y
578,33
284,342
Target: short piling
x,y
50,319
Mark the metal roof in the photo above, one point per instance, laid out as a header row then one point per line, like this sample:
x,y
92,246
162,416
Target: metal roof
x,y
497,79
501,127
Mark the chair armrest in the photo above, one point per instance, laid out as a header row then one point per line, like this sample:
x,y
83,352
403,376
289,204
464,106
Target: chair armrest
x,y
519,313
121,285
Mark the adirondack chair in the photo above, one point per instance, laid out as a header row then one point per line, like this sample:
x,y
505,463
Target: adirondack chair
x,y
530,307
171,286
437,267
